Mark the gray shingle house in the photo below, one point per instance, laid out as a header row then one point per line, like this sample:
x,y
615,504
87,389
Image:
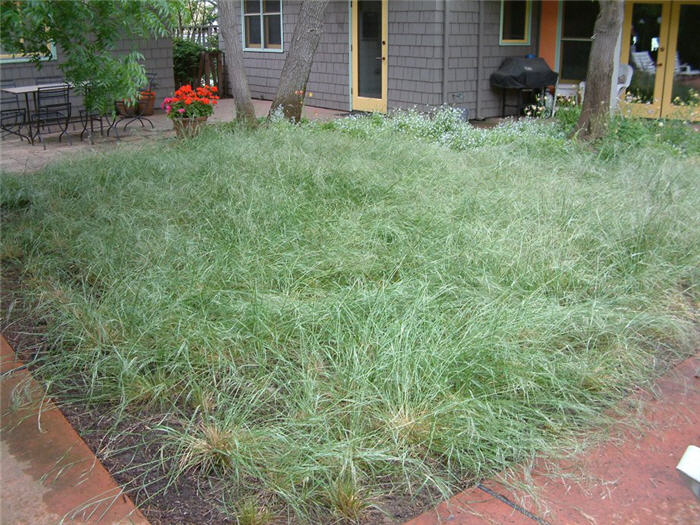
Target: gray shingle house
x,y
383,54
158,55
376,55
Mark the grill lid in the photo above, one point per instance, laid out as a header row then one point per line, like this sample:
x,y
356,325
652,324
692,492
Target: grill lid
x,y
522,73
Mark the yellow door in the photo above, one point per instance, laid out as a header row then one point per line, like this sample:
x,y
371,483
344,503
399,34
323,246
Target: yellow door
x,y
659,42
369,55
645,29
681,97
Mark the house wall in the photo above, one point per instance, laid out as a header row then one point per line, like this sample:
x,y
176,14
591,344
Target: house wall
x,y
463,53
329,80
415,55
158,54
492,54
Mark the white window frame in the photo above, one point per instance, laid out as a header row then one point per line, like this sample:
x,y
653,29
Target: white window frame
x,y
261,49
528,27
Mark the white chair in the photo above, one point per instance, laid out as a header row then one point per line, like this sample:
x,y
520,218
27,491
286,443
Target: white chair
x,y
684,69
624,79
564,90
643,62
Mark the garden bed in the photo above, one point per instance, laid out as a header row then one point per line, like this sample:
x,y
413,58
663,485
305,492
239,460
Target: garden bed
x,y
350,320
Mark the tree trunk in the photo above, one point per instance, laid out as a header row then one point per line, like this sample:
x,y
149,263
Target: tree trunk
x,y
245,111
595,113
297,65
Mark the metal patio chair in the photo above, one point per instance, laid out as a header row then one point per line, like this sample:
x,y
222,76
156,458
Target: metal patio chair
x,y
12,115
53,107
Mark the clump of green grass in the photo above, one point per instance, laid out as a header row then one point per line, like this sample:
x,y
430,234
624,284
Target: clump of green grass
x,y
325,314
251,513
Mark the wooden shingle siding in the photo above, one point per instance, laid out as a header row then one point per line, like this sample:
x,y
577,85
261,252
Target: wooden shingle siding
x,y
415,53
158,54
493,54
329,81
463,40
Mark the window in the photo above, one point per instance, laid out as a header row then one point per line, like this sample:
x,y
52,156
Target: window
x,y
515,22
262,25
49,54
578,20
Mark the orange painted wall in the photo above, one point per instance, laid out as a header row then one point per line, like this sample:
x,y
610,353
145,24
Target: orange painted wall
x,y
549,13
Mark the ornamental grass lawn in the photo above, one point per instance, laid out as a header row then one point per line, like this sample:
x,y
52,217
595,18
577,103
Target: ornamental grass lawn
x,y
316,322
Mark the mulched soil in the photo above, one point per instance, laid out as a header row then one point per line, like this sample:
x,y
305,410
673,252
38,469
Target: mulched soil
x,y
189,500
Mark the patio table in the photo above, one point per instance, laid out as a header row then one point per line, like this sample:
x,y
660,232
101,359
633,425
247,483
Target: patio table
x,y
33,90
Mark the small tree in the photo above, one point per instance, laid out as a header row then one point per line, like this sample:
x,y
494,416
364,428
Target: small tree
x,y
245,111
297,65
195,13
86,34
595,112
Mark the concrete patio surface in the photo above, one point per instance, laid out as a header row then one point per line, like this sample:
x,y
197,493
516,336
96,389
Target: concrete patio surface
x,y
48,475
630,478
18,156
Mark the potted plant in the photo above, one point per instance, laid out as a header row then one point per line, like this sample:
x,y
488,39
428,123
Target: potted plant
x,y
190,108
147,97
146,100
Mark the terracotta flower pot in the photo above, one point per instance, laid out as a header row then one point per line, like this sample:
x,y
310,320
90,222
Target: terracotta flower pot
x,y
127,110
146,100
188,127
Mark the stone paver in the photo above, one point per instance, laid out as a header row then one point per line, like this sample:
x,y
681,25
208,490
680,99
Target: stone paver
x,y
48,475
18,156
630,479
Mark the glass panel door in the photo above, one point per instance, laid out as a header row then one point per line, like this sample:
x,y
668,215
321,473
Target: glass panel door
x,y
369,55
682,86
645,32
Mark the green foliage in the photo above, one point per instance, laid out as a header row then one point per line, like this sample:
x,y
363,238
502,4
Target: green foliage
x,y
186,61
626,133
313,317
85,34
197,12
641,88
446,127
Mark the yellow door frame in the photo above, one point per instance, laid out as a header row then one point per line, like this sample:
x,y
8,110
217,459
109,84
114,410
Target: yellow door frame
x,y
366,103
668,109
661,106
652,110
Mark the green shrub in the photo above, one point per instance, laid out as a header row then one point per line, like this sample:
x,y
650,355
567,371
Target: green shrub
x,y
186,60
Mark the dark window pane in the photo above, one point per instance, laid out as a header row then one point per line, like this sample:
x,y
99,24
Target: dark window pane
x,y
579,19
686,78
369,74
252,6
574,61
644,44
514,19
252,31
273,31
271,6
646,28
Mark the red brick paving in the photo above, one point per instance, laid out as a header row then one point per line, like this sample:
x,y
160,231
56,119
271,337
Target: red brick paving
x,y
48,474
629,480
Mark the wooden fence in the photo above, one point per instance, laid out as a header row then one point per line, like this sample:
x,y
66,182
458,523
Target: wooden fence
x,y
206,36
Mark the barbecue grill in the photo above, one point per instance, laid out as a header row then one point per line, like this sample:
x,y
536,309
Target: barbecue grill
x,y
524,75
